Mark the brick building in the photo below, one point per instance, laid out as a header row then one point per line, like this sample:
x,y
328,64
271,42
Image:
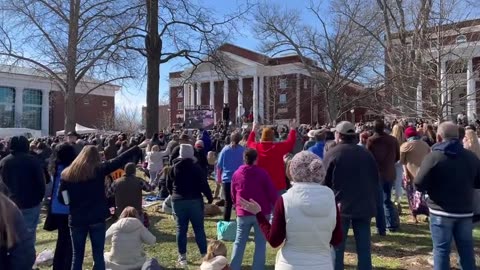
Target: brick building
x,y
29,99
273,90
449,81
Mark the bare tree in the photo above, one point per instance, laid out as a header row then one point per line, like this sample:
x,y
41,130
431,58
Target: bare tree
x,y
71,42
178,29
335,52
416,52
124,119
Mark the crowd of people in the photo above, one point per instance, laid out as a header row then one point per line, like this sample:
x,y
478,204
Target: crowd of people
x,y
298,187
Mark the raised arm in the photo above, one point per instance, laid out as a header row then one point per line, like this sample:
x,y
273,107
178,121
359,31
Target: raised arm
x,y
287,146
251,140
114,164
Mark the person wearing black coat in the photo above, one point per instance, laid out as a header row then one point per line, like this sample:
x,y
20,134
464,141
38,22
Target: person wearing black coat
x,y
24,178
16,253
83,190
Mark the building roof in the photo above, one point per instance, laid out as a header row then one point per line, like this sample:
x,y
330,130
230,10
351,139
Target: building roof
x,y
447,26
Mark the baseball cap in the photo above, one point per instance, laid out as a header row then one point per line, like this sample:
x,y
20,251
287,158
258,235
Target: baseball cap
x,y
345,128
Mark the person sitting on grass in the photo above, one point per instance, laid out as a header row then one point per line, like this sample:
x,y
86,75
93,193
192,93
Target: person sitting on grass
x,y
128,190
216,258
127,236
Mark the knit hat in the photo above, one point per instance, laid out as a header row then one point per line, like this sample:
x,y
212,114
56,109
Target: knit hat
x,y
268,135
199,144
410,132
186,151
307,167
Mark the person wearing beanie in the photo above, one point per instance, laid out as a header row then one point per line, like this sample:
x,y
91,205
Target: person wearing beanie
x,y
201,155
412,153
186,183
310,232
128,190
270,153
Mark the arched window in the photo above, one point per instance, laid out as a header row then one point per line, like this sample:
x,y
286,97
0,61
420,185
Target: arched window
x,y
461,39
7,107
32,109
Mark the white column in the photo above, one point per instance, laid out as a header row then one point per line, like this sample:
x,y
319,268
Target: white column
x,y
45,112
191,94
240,98
471,93
225,91
443,90
185,95
199,94
268,100
419,98
298,99
255,98
212,94
18,121
261,98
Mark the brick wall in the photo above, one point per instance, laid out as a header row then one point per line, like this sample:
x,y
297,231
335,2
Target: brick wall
x,y
90,110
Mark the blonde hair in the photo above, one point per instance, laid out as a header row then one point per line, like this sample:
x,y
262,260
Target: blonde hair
x,y
8,234
84,166
215,248
472,142
129,212
398,133
155,148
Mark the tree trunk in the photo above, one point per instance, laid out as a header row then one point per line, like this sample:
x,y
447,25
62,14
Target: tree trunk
x,y
153,48
71,66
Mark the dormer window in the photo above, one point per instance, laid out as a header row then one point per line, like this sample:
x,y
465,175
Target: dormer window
x,y
461,39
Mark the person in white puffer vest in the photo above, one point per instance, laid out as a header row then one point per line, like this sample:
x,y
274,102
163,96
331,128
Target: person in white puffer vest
x,y
306,218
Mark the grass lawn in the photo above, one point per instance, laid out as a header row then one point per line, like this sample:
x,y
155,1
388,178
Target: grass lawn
x,y
406,249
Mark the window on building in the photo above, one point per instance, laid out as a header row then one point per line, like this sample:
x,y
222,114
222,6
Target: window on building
x,y
32,109
180,93
305,84
283,83
283,99
7,107
180,106
86,101
104,103
461,39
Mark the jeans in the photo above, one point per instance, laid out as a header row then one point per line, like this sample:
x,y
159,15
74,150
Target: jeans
x,y
97,239
443,229
361,232
244,225
227,191
153,176
31,217
380,217
63,249
398,181
187,211
387,214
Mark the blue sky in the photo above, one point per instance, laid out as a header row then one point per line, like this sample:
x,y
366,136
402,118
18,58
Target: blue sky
x,y
133,94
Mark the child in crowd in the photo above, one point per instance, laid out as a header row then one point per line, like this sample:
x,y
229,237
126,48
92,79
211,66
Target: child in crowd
x,y
155,162
216,258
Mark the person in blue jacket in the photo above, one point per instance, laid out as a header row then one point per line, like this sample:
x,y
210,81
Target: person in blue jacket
x,y
319,145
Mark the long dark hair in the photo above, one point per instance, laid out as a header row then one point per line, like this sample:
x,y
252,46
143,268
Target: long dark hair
x,y
63,154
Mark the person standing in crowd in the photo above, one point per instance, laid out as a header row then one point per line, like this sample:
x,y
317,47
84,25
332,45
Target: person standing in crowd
x,y
271,153
217,143
201,155
128,190
310,231
412,154
398,134
352,174
24,178
155,162
73,139
319,146
429,137
83,182
127,236
3,153
111,149
57,216
311,140
207,142
386,151
470,142
449,174
186,183
173,143
364,138
184,139
16,252
229,160
251,182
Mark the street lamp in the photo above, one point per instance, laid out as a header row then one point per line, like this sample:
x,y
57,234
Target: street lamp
x,y
352,111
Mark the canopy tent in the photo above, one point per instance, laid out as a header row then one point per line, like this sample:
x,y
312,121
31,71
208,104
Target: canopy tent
x,y
79,129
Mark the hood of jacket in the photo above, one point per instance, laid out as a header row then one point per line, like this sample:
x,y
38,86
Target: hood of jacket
x,y
128,225
315,200
19,144
449,148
